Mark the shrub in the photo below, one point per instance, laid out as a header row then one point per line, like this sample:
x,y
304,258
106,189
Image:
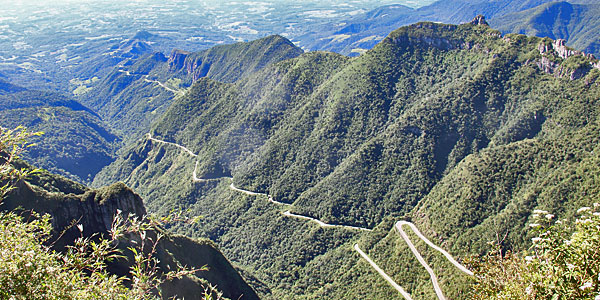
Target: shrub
x,y
562,263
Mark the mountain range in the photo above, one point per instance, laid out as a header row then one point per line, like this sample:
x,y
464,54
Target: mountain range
x,y
292,160
458,128
574,21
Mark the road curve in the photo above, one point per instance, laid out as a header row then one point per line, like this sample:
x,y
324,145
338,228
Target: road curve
x,y
188,151
449,257
163,86
385,276
128,73
321,223
398,227
269,197
434,281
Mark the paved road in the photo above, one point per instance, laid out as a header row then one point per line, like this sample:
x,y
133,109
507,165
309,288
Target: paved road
x,y
398,227
269,197
382,273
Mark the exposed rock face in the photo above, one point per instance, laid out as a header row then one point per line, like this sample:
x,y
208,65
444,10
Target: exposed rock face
x,y
191,64
197,67
177,59
560,49
94,209
70,203
479,20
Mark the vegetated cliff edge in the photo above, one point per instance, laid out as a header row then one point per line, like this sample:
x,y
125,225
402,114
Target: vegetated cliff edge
x,y
71,203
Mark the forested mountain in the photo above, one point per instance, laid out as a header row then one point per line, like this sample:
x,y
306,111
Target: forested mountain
x,y
458,128
76,143
579,24
135,94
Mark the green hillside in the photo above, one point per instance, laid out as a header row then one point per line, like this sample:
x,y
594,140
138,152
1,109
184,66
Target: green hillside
x,y
457,128
77,142
138,92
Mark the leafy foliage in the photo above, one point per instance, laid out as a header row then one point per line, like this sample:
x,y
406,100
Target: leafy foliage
x,y
12,144
563,262
94,244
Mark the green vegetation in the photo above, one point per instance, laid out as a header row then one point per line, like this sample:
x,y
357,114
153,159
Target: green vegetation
x,y
562,263
456,128
77,144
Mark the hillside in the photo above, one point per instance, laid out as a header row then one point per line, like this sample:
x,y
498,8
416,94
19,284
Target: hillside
x,y
77,143
68,202
137,93
361,32
458,128
576,23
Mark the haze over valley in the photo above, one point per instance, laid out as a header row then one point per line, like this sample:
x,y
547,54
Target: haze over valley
x,y
299,149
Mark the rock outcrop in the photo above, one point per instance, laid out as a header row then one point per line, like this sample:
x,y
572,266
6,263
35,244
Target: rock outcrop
x,y
177,59
558,48
479,20
70,203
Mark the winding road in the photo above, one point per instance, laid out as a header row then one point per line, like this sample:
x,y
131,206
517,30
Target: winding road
x,y
417,254
382,273
146,79
398,227
251,193
188,151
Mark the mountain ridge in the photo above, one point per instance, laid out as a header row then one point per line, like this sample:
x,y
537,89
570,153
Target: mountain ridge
x,y
574,23
365,141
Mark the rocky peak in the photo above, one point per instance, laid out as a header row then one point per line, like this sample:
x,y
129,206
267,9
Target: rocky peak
x,y
561,49
479,20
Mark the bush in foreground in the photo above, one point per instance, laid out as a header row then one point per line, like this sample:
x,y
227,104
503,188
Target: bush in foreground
x,y
563,262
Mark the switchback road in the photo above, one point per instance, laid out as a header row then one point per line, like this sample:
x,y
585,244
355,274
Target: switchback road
x,y
398,228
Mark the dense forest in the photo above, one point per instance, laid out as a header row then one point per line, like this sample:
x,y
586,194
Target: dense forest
x,y
458,128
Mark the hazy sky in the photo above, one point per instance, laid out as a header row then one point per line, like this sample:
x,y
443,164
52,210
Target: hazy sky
x,y
368,3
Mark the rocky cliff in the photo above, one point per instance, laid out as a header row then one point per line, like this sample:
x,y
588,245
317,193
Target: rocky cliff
x,y
70,203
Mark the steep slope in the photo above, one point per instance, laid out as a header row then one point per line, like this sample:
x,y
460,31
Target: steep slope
x,y
367,141
77,142
576,23
69,202
135,94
